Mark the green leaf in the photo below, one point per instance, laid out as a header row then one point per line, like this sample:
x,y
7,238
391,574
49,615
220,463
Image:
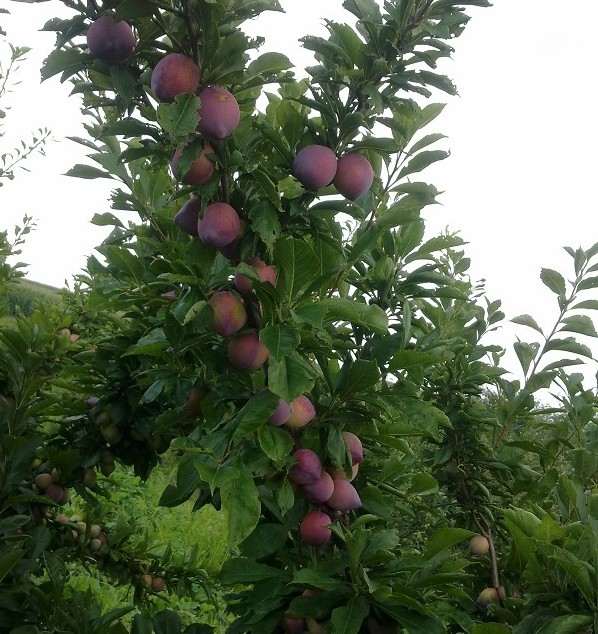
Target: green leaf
x,y
280,340
422,160
87,172
403,212
568,345
554,281
167,622
404,359
527,320
296,264
65,61
581,324
269,63
290,376
255,413
152,344
587,283
348,618
568,624
526,353
490,628
8,561
423,484
275,442
362,376
179,119
317,579
371,316
241,570
241,502
445,538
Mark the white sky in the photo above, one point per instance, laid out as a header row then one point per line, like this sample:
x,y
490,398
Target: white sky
x,y
522,135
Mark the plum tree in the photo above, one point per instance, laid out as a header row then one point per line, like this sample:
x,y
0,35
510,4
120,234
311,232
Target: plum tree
x,y
199,172
229,314
246,351
314,528
110,40
354,175
219,225
315,166
219,113
173,75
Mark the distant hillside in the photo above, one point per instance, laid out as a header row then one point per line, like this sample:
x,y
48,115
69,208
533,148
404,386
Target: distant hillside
x,y
38,287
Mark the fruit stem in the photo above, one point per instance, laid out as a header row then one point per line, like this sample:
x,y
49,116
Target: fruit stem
x,y
487,533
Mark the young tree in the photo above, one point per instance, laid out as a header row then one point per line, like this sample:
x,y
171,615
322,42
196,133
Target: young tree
x,y
276,317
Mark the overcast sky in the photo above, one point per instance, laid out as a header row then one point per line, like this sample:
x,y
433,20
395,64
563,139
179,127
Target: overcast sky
x,y
522,135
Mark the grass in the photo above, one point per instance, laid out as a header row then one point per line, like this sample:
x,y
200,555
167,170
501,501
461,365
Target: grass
x,y
167,537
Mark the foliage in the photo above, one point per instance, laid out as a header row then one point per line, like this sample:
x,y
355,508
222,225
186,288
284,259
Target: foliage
x,y
379,325
16,157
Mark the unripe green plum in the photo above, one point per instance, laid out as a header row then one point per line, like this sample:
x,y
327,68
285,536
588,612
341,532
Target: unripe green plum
x,y
302,412
229,314
94,544
486,597
158,584
479,545
147,580
94,531
320,491
200,171
43,481
354,176
344,497
219,113
247,352
314,530
315,166
174,75
110,41
220,225
112,434
307,468
188,216
265,272
354,446
90,478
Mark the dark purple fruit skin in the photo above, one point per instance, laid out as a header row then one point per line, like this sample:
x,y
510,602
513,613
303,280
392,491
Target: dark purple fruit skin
x,y
173,75
315,166
188,215
110,41
219,113
354,176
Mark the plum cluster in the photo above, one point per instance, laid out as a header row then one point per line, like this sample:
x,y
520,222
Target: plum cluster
x,y
316,166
